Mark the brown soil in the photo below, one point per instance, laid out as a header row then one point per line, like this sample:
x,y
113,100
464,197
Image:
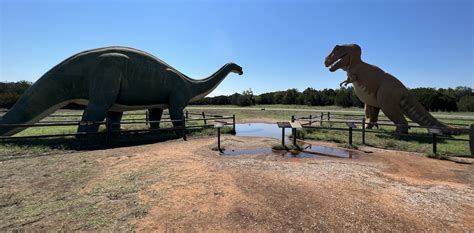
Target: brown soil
x,y
384,190
200,190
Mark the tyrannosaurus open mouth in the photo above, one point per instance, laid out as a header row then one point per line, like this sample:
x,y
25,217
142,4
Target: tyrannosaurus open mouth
x,y
333,64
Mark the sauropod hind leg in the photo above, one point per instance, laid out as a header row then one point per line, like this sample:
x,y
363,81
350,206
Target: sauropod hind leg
x,y
104,87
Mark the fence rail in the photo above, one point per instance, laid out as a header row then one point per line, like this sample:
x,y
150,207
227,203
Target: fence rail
x,y
182,126
316,122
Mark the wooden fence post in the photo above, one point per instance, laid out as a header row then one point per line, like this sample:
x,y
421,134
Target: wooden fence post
x,y
187,114
293,131
283,136
219,139
350,136
471,139
322,117
107,129
233,124
204,118
434,143
183,123
363,130
147,118
329,119
294,136
310,117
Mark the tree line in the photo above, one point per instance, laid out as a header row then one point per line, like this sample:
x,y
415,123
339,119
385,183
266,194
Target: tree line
x,y
442,99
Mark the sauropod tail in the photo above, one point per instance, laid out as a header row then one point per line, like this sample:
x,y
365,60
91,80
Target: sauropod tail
x,y
38,101
417,113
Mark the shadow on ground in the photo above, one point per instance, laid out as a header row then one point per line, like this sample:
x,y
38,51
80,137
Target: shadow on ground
x,y
96,142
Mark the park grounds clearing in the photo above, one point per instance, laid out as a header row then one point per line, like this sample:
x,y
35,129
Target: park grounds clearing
x,y
182,185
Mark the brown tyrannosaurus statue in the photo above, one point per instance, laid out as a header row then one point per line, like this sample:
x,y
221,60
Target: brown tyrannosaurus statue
x,y
380,90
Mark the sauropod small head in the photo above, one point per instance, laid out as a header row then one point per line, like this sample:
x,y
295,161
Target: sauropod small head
x,y
341,56
235,68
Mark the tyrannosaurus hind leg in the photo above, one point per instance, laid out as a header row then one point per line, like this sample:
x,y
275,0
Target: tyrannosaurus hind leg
x,y
395,114
104,87
371,116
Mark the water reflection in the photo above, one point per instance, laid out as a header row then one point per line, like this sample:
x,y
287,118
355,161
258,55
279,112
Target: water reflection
x,y
272,130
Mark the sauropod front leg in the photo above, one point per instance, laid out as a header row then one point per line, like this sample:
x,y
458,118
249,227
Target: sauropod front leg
x,y
371,116
104,86
176,107
155,114
115,118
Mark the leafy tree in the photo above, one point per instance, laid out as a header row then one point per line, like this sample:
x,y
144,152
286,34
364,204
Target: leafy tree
x,y
291,96
466,103
10,92
266,98
343,98
248,94
434,100
457,93
278,97
311,97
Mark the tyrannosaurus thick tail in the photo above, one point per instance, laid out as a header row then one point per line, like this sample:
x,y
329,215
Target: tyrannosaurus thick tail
x,y
40,100
417,113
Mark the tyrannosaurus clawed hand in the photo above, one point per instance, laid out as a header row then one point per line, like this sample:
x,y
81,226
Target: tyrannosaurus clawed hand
x,y
350,79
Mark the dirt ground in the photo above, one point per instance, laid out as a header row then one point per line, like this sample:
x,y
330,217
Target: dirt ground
x,y
196,189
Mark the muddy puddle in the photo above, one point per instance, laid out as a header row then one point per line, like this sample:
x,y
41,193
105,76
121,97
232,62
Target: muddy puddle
x,y
272,131
309,151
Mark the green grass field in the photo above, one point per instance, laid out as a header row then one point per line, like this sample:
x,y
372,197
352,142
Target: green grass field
x,y
381,139
249,114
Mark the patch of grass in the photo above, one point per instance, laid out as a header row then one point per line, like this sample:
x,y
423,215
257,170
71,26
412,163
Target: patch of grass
x,y
417,141
349,146
208,131
140,211
256,112
124,185
44,187
64,189
437,156
214,148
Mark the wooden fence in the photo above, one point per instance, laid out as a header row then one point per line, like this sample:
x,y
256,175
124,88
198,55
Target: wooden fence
x,y
206,119
350,124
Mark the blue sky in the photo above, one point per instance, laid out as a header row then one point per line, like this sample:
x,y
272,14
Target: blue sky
x,y
279,44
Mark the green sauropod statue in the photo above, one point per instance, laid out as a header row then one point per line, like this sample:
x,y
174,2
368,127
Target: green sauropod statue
x,y
110,81
381,91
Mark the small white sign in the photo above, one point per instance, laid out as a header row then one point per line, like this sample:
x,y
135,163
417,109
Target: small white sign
x,y
351,125
218,125
435,131
296,125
